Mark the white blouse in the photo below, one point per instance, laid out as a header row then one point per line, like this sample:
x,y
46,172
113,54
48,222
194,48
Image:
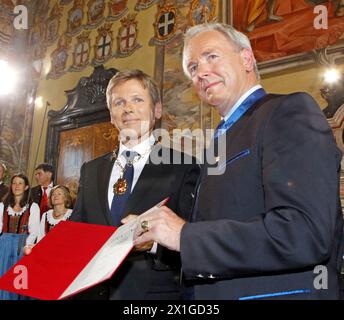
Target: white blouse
x,y
34,218
52,221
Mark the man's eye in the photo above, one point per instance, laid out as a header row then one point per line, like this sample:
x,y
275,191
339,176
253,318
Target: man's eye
x,y
119,103
192,69
137,100
212,56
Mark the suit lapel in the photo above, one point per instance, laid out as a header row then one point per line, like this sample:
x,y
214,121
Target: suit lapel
x,y
146,181
104,173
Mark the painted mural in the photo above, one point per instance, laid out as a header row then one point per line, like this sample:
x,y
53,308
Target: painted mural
x,y
112,33
182,108
6,25
15,112
281,28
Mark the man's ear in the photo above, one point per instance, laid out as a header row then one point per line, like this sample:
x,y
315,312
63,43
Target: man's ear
x,y
158,110
26,187
247,59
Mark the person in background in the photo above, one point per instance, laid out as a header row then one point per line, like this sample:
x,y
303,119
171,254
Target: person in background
x,y
44,175
60,201
19,225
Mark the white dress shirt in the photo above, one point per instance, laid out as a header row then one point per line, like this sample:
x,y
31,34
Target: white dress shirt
x,y
34,220
143,149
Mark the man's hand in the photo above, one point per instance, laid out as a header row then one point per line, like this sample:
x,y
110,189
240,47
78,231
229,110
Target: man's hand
x,y
164,227
147,246
128,218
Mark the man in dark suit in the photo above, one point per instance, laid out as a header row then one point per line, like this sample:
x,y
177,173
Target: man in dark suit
x,y
3,188
44,175
269,225
119,185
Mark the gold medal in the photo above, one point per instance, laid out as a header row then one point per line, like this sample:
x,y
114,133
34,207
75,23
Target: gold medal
x,y
120,187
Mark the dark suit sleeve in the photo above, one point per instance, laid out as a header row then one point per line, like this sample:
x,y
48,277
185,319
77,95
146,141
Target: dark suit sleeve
x,y
299,171
181,202
185,192
79,205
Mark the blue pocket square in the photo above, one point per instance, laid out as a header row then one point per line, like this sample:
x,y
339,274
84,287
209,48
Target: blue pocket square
x,y
241,154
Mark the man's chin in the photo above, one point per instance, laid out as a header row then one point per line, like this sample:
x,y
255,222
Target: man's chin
x,y
129,135
128,138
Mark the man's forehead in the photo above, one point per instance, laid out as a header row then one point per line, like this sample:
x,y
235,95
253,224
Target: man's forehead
x,y
132,82
213,37
204,43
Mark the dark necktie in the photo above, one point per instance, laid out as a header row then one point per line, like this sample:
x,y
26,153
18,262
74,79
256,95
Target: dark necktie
x,y
119,201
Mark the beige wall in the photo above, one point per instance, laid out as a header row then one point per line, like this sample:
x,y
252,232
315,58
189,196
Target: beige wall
x,y
308,79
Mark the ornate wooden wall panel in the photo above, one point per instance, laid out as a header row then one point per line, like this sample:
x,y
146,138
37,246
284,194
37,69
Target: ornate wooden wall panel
x,y
80,145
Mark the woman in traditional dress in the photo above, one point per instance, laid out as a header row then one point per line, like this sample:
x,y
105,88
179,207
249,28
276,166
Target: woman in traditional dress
x,y
19,225
60,201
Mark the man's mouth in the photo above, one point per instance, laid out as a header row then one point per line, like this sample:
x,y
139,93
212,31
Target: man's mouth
x,y
210,85
129,121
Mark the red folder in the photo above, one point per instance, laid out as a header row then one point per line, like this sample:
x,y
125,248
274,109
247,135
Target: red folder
x,y
72,257
58,259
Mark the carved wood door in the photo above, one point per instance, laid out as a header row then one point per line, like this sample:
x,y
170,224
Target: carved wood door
x,y
80,145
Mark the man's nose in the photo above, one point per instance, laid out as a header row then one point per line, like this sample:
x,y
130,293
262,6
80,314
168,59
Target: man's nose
x,y
128,107
203,70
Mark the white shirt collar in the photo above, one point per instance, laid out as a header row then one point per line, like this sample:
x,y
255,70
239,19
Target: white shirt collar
x,y
11,211
53,221
49,186
242,98
140,148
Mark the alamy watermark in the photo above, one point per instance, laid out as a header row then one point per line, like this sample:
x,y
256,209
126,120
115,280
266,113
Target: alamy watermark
x,y
198,143
21,17
21,280
320,282
321,20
